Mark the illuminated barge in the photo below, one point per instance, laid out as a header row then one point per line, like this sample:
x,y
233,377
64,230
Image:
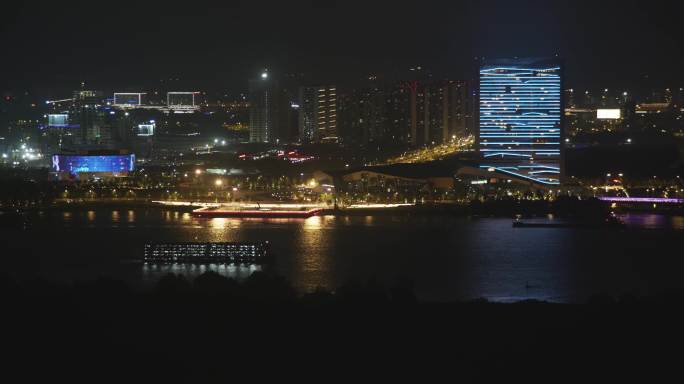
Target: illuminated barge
x,y
263,211
206,253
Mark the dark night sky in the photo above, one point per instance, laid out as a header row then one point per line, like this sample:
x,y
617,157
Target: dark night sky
x,y
54,45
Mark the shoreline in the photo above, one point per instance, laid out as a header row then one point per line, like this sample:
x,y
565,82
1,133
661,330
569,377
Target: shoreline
x,y
495,208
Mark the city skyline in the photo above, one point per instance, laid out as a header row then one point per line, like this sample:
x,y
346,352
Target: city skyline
x,y
306,135
465,190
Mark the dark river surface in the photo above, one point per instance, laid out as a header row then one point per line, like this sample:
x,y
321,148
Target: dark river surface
x,y
447,258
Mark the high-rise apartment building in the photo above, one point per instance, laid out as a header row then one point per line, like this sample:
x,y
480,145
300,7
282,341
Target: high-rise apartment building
x,y
318,114
440,111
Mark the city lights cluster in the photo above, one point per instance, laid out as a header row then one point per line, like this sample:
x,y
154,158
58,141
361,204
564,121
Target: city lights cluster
x,y
23,154
423,155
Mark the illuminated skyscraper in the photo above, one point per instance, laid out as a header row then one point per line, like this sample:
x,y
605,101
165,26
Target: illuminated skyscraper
x,y
269,111
521,127
261,109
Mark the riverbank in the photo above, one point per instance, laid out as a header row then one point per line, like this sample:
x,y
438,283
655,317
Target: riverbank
x,y
498,208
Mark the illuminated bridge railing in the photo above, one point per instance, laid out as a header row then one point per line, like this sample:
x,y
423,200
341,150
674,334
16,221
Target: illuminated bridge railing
x,y
655,200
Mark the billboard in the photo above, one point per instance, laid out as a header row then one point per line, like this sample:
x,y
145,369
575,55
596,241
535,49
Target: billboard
x,y
608,114
131,99
180,99
146,129
58,120
75,164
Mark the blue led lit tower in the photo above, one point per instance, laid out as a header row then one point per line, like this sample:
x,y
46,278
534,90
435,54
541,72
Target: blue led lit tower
x,y
521,119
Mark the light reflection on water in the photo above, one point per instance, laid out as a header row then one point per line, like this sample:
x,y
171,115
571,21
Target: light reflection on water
x,y
652,221
152,273
678,222
312,267
218,223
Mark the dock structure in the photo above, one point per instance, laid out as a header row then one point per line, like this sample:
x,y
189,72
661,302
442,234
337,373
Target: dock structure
x,y
205,253
260,211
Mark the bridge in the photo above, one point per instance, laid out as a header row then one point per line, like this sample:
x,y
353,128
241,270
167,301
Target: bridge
x,y
654,200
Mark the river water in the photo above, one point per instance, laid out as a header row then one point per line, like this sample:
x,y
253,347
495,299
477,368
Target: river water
x,y
447,258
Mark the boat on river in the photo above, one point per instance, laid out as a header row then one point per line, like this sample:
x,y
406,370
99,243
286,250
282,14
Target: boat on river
x,y
609,222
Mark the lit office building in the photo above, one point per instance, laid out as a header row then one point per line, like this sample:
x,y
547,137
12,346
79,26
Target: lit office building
x,y
103,165
521,128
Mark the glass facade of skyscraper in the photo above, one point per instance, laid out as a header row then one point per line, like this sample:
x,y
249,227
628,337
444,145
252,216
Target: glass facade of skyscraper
x,y
521,119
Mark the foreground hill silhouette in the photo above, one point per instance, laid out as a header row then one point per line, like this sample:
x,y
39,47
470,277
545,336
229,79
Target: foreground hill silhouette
x,y
214,328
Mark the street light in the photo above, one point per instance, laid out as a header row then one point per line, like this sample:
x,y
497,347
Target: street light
x,y
218,182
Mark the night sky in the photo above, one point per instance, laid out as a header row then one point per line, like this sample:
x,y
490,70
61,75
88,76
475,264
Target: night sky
x,y
217,45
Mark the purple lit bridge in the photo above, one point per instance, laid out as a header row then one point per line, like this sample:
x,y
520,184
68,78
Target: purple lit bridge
x,y
657,200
